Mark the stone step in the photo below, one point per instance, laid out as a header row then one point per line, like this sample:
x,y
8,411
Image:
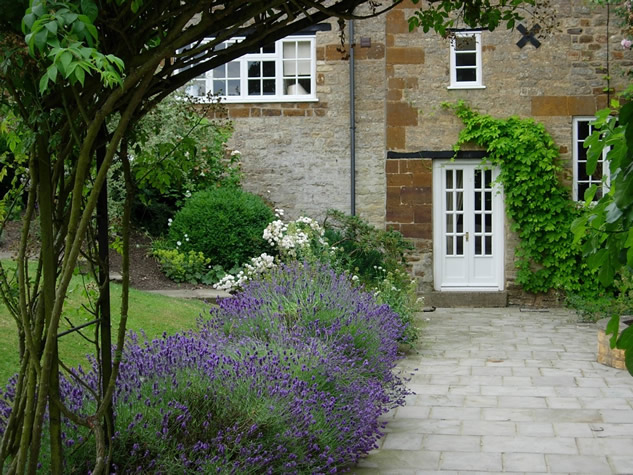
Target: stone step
x,y
465,299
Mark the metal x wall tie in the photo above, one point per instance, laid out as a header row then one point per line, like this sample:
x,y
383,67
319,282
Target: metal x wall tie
x,y
528,36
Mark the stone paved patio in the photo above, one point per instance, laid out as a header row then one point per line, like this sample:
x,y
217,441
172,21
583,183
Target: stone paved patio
x,y
508,391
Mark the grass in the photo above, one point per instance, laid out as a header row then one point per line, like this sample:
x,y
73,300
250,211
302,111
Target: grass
x,y
151,313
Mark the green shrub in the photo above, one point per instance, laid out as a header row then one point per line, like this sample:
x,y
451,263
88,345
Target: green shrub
x,y
182,266
225,224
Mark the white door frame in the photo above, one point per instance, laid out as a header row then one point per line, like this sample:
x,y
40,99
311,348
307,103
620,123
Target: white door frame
x,y
497,280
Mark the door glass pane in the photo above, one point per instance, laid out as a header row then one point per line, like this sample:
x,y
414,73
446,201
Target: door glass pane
x,y
488,178
488,218
459,175
477,223
477,179
488,201
449,245
460,200
478,245
477,200
449,201
449,179
460,245
460,223
449,223
488,245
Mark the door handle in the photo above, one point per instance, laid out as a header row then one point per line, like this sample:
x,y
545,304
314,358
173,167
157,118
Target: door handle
x,y
466,235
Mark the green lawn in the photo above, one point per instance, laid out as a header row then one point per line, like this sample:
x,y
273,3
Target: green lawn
x,y
154,314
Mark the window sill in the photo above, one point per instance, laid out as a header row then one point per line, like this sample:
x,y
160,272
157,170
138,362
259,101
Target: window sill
x,y
466,87
262,100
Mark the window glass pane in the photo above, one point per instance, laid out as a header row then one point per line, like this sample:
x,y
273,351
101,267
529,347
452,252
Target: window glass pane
x,y
254,87
466,59
197,88
304,67
269,69
306,84
583,129
234,87
219,87
465,43
597,174
582,187
304,49
269,86
254,69
219,72
290,50
582,171
233,69
466,75
582,152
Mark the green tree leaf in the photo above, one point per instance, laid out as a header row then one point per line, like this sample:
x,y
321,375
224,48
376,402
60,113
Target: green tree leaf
x,y
90,9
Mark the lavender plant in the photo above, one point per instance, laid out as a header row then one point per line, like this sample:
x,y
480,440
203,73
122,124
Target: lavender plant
x,y
289,376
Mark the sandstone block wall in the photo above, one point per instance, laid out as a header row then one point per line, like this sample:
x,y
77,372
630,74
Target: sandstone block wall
x,y
298,155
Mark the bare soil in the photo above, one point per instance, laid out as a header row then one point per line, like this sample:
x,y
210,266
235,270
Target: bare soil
x,y
145,273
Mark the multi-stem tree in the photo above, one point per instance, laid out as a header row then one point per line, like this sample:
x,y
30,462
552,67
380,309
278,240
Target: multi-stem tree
x,y
75,76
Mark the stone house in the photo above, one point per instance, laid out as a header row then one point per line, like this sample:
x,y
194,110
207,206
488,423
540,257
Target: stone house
x,y
318,128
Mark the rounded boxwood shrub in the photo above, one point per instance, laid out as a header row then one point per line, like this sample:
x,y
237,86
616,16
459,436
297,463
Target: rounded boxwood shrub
x,y
225,224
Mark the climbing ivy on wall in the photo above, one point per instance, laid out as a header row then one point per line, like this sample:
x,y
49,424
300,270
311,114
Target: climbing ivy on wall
x,y
536,202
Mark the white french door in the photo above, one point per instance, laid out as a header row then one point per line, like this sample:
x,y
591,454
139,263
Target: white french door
x,y
468,226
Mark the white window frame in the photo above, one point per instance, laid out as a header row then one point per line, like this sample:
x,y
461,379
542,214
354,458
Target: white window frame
x,y
276,57
577,145
454,83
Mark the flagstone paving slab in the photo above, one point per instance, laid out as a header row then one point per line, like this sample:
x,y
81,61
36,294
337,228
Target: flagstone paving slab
x,y
506,391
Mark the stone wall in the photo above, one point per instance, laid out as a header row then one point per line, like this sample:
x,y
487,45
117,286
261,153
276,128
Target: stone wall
x,y
563,78
298,155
